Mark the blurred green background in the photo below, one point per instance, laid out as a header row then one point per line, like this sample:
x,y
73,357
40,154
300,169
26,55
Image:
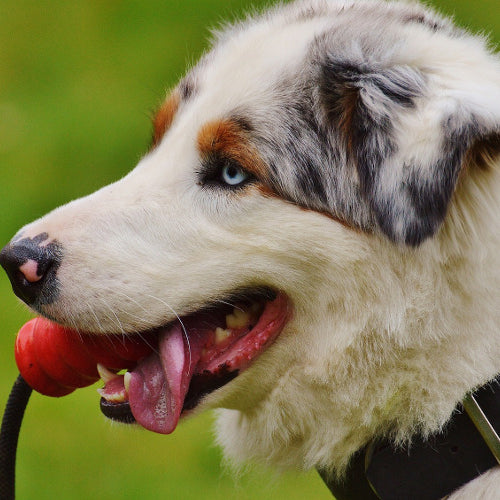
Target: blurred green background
x,y
78,82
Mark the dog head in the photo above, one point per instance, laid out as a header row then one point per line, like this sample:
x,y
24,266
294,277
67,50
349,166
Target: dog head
x,y
310,170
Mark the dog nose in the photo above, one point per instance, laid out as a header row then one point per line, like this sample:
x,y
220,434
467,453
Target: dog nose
x,y
31,266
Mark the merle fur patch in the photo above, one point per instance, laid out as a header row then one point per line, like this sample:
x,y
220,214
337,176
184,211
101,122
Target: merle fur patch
x,y
409,199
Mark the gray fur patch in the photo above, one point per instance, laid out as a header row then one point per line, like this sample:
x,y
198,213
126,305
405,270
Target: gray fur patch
x,y
332,132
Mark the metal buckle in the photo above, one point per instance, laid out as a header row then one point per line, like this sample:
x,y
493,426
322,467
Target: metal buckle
x,y
482,424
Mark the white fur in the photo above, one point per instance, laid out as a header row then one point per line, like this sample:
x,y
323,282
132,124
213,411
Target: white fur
x,y
384,340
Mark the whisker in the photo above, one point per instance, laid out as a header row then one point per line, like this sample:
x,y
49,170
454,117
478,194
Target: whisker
x,y
116,320
142,319
90,308
235,306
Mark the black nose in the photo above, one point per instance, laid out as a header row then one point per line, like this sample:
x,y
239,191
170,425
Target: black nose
x,y
31,264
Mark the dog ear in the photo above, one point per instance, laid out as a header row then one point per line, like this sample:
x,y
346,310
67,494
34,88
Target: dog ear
x,y
407,140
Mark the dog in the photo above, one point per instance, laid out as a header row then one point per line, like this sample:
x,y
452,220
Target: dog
x,y
314,235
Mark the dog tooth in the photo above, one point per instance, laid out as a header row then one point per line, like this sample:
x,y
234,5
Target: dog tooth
x,y
238,319
221,334
112,397
105,374
126,381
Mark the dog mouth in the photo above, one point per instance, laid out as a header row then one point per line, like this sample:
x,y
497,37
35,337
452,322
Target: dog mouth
x,y
195,355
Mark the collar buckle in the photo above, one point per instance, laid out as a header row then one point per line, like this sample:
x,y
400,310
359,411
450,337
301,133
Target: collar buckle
x,y
482,424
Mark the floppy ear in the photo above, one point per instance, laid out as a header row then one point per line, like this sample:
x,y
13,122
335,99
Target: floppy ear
x,y
407,137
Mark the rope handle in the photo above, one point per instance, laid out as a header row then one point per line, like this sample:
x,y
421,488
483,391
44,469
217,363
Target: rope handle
x,y
9,435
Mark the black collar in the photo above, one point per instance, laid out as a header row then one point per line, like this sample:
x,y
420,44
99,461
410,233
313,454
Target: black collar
x,y
432,468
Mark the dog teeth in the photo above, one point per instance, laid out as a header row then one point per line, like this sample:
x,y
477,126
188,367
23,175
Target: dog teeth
x,y
221,334
113,397
126,381
238,319
105,374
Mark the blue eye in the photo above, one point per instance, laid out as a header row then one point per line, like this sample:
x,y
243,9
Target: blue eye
x,y
224,173
233,175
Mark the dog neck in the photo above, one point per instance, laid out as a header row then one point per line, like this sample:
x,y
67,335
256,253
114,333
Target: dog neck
x,y
432,467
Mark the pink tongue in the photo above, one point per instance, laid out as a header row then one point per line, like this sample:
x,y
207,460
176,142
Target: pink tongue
x,y
159,384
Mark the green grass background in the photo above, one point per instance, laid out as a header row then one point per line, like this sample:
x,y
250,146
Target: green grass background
x,y
78,81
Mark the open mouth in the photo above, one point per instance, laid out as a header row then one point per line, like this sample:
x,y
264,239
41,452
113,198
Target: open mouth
x,y
195,355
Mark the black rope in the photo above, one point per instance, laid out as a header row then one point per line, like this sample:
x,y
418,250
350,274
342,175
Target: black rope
x,y
9,434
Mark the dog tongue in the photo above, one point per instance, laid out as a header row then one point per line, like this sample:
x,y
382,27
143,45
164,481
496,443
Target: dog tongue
x,y
158,385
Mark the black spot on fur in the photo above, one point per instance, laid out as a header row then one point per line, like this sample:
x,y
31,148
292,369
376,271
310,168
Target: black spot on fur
x,y
243,122
372,143
310,181
299,153
485,150
431,193
310,173
187,88
432,24
393,84
401,84
429,189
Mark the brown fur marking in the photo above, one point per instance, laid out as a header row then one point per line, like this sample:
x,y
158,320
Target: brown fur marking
x,y
484,152
349,103
165,116
228,139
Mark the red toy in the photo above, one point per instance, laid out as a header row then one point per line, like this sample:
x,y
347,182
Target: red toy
x,y
55,360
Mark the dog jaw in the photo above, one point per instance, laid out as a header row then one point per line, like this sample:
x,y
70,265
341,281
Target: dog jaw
x,y
192,359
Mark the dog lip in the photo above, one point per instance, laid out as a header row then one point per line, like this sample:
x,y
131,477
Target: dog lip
x,y
119,412
204,369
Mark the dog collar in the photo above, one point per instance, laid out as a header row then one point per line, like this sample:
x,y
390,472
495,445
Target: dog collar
x,y
431,468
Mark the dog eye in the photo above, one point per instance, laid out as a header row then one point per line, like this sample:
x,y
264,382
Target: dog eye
x,y
224,173
233,175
